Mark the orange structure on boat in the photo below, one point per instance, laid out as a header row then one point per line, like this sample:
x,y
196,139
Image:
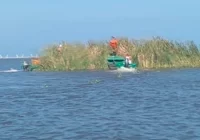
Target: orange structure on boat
x,y
35,61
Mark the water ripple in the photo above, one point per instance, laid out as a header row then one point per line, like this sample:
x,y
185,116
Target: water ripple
x,y
148,105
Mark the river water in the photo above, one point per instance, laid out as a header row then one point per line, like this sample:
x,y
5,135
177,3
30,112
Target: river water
x,y
99,105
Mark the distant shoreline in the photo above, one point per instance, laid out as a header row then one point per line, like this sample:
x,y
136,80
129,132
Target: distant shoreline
x,y
18,58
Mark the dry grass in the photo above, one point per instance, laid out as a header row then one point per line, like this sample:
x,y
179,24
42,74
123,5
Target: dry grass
x,y
154,53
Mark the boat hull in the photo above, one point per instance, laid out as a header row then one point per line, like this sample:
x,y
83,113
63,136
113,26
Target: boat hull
x,y
30,67
117,62
112,67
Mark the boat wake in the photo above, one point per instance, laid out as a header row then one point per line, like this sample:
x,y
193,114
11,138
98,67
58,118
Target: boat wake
x,y
124,69
11,70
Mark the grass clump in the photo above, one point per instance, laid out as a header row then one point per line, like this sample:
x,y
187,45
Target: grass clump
x,y
74,57
149,54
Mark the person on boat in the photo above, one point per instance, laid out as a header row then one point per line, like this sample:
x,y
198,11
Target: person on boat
x,y
59,48
113,44
25,65
128,60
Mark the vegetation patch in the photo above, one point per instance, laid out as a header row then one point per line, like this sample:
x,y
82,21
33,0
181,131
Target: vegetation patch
x,y
156,53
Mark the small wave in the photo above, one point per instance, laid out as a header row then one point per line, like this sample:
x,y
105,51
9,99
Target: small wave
x,y
11,70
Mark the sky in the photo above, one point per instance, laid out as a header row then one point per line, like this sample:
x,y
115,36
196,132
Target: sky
x,y
28,26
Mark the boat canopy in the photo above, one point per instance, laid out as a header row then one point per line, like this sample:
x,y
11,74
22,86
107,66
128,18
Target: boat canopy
x,y
115,58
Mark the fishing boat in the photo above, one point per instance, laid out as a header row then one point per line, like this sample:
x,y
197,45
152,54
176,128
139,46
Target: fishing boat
x,y
115,62
35,64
